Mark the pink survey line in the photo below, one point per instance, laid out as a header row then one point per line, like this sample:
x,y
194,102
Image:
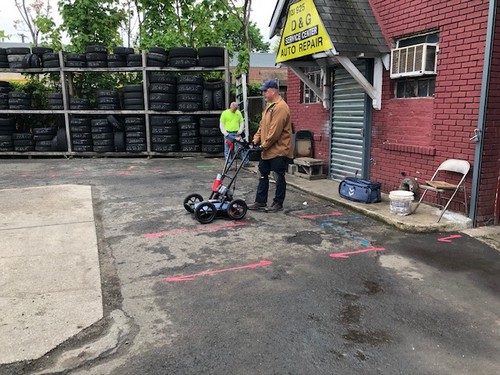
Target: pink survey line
x,y
262,263
320,215
198,229
448,239
346,255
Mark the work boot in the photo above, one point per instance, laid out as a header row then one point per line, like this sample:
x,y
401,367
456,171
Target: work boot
x,y
257,206
275,207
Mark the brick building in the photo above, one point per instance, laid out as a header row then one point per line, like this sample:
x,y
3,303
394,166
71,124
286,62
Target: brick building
x,y
391,88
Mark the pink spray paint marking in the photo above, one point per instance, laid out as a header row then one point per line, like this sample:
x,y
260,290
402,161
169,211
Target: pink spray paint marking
x,y
262,263
448,239
199,229
320,215
346,255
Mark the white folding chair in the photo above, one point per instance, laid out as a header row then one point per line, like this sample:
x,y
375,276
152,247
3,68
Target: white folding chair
x,y
440,186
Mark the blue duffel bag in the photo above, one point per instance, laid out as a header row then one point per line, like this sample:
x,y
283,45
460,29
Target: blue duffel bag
x,y
359,190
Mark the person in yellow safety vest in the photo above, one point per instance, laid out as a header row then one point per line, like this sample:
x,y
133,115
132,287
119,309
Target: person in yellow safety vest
x,y
231,123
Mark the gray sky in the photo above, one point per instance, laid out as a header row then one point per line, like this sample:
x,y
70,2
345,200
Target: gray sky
x,y
262,11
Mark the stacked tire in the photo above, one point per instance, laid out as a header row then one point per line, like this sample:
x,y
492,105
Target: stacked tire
x,y
5,88
134,60
4,62
210,57
164,133
162,92
96,56
135,134
119,57
189,93
157,56
189,140
75,60
108,100
103,139
7,128
213,95
79,104
19,100
50,60
16,56
43,138
133,97
183,57
23,142
212,140
55,100
81,134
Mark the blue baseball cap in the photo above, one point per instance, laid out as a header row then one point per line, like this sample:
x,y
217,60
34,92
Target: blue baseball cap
x,y
269,84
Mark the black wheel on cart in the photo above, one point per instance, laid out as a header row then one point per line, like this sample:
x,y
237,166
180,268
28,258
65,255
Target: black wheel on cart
x,y
191,200
205,212
237,209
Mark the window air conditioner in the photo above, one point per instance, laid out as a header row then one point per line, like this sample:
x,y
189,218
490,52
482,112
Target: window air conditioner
x,y
414,61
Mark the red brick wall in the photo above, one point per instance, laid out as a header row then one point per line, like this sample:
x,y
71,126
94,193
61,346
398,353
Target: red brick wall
x,y
443,124
488,179
312,117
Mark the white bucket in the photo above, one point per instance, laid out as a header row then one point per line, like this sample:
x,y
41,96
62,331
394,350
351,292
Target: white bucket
x,y
401,202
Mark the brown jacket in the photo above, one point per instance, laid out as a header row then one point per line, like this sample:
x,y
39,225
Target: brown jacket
x,y
275,131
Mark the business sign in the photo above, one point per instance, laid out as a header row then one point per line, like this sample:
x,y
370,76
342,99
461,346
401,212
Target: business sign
x,y
303,34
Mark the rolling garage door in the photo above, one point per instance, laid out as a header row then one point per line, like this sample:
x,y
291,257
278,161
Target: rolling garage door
x,y
349,114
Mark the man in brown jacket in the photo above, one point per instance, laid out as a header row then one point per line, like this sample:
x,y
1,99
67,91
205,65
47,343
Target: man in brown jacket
x,y
275,137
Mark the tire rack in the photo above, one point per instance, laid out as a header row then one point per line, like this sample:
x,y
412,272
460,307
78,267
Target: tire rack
x,y
66,87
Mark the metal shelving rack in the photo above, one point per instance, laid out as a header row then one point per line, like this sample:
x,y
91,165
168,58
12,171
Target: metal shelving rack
x,y
66,87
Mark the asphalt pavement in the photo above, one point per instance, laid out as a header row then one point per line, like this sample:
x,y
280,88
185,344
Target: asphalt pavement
x,y
52,228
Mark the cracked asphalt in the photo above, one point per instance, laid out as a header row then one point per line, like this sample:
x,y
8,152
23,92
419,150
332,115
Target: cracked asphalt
x,y
313,289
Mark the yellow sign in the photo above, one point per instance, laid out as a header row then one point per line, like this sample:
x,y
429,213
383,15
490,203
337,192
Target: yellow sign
x,y
303,34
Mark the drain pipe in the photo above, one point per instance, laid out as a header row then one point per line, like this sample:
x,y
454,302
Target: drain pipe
x,y
483,105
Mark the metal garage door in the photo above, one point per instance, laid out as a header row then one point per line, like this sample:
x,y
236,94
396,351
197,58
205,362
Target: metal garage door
x,y
349,113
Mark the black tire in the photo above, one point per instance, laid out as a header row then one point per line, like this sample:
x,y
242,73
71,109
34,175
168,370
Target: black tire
x,y
164,130
24,142
80,129
105,142
81,142
189,88
134,88
162,97
135,128
191,200
102,129
136,148
189,141
182,62
52,131
212,149
102,136
165,138
188,126
96,49
62,140
157,77
161,57
237,209
82,148
97,64
214,84
75,56
190,79
80,121
134,120
81,136
163,120
104,148
189,98
211,61
99,122
187,118
119,138
162,107
205,212
211,51
218,99
165,147
135,134
207,100
189,106
17,51
188,133
158,50
22,136
129,103
183,52
212,140
166,88
115,123
119,50
210,132
96,56
42,137
51,64
75,64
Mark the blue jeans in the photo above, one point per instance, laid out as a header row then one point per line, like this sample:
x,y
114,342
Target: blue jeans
x,y
279,166
237,148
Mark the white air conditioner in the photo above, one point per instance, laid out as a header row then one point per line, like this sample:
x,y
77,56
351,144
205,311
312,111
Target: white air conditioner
x,y
414,61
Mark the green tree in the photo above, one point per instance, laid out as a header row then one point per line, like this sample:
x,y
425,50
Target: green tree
x,y
36,17
89,22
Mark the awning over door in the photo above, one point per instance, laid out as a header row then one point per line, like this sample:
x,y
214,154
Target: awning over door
x,y
330,32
